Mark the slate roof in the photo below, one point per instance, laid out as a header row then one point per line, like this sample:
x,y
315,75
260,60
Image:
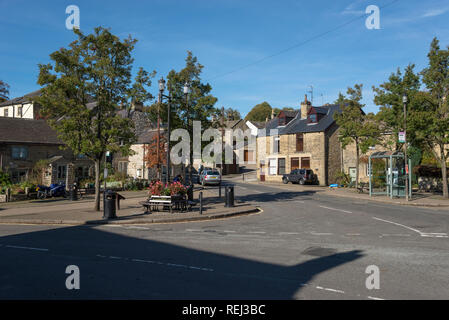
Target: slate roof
x,y
290,114
17,130
298,125
24,99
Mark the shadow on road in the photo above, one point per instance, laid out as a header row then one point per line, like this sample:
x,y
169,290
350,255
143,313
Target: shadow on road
x,y
116,266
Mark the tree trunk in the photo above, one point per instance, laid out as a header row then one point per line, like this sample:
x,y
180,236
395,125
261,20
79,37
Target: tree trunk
x,y
357,164
97,185
444,172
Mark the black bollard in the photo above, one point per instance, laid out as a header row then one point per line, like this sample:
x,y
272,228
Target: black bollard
x,y
230,201
201,202
226,196
219,191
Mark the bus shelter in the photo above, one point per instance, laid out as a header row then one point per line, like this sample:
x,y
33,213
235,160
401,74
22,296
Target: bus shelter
x,y
387,174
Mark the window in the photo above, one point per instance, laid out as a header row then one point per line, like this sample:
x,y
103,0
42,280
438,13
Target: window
x,y
19,153
312,118
62,172
299,142
294,163
305,163
272,168
123,166
18,176
20,112
5,112
281,166
276,145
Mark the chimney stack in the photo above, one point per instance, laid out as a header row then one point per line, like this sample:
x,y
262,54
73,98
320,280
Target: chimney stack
x,y
305,107
272,114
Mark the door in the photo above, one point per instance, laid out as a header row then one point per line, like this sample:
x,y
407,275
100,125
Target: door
x,y
353,173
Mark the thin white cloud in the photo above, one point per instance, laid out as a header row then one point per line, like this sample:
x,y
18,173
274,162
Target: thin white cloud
x,y
435,12
351,9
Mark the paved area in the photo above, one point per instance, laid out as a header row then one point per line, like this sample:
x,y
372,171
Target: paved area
x,y
68,212
305,245
418,199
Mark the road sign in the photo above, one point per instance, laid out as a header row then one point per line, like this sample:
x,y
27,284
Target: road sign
x,y
402,137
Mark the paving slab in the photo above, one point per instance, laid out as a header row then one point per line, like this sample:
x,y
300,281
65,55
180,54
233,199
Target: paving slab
x,y
131,212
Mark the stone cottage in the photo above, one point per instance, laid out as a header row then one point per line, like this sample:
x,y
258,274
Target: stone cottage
x,y
23,142
307,138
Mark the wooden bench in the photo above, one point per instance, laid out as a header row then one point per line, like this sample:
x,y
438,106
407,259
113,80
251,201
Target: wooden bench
x,y
154,202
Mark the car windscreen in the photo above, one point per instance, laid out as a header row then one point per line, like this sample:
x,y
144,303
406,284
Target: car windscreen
x,y
213,173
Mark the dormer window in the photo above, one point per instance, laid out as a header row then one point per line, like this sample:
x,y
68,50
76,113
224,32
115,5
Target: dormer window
x,y
312,118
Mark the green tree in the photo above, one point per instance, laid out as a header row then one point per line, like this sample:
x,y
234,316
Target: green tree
x,y
4,91
200,103
232,114
260,112
389,97
355,126
82,91
429,119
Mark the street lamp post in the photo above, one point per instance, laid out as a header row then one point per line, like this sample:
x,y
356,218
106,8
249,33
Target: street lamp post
x,y
189,127
404,100
169,100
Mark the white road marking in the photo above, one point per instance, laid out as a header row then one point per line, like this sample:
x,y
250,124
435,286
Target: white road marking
x,y
422,234
194,230
335,209
138,228
330,289
228,231
374,298
321,233
258,232
173,265
27,248
299,201
353,234
286,233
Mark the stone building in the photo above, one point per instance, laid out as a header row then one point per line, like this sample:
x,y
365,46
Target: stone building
x,y
307,138
23,142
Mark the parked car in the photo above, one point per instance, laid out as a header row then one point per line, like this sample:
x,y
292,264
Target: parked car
x,y
301,176
210,177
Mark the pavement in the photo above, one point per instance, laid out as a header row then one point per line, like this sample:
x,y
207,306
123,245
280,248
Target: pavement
x,y
418,199
66,212
306,245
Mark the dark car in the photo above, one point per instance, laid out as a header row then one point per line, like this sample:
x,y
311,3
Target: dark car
x,y
301,176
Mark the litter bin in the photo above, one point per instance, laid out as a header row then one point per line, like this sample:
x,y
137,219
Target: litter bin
x,y
110,197
229,196
74,192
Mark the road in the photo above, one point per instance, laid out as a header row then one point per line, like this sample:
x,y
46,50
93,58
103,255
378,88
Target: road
x,y
304,245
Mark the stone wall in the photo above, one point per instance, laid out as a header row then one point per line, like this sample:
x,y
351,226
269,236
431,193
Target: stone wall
x,y
314,148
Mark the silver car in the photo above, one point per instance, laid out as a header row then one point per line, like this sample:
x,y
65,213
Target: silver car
x,y
210,177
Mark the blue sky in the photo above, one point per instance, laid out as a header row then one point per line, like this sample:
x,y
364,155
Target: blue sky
x,y
228,34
